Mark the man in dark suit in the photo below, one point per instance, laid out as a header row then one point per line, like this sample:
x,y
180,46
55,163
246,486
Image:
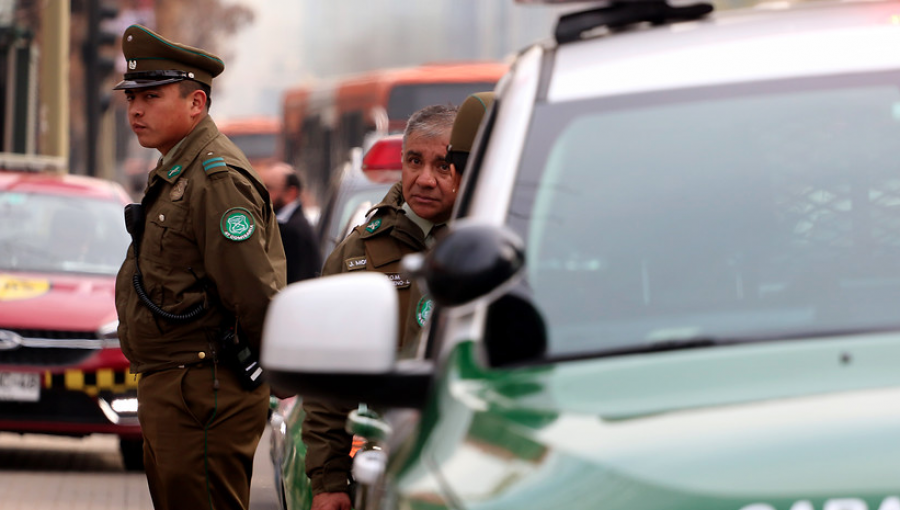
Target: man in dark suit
x,y
301,248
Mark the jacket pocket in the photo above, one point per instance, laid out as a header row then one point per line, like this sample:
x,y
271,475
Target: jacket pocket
x,y
167,237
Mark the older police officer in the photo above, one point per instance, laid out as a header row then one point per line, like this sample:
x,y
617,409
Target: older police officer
x,y
205,261
436,145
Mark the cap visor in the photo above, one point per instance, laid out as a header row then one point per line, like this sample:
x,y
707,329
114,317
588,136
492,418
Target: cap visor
x,y
143,84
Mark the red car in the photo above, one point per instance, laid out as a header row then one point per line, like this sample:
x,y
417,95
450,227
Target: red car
x,y
61,369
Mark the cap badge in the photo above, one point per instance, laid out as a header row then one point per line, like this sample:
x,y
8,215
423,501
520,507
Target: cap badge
x,y
132,64
237,224
423,310
374,225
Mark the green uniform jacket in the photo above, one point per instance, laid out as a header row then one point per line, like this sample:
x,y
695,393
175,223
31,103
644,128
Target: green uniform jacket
x,y
210,236
377,245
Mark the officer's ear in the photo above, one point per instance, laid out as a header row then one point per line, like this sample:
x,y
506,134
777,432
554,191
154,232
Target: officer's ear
x,y
198,101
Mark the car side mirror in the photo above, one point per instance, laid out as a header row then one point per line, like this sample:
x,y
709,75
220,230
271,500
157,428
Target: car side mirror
x,y
473,261
336,337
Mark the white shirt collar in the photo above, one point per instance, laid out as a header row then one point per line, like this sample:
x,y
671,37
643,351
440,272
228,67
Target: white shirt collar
x,y
287,211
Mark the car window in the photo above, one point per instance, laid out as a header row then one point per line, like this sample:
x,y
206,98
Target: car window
x,y
344,207
406,99
61,234
757,209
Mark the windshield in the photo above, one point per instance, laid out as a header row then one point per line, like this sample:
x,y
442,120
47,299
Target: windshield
x,y
730,212
50,233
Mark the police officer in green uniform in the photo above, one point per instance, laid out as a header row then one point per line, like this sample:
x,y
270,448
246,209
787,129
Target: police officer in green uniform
x,y
205,261
406,221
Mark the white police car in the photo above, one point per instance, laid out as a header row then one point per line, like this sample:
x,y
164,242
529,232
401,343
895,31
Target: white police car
x,y
673,279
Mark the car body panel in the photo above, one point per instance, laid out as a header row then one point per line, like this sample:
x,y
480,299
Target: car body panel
x,y
79,303
780,424
808,40
61,323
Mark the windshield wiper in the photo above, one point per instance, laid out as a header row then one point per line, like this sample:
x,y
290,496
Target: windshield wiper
x,y
698,342
703,341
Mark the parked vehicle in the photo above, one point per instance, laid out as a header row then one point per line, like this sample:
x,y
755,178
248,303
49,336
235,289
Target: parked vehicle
x,y
61,369
670,283
363,182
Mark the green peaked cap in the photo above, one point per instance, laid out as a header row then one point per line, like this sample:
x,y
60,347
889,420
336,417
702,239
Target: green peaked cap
x,y
153,60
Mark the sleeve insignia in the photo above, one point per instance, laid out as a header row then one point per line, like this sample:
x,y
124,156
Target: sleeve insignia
x,y
423,310
237,224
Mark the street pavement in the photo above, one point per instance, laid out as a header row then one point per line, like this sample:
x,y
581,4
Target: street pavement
x,y
60,473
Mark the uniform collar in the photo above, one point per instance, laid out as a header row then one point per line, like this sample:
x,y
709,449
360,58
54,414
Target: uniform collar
x,y
425,225
186,150
388,216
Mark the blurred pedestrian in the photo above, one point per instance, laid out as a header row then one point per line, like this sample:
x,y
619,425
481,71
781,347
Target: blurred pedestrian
x,y
205,261
301,248
406,221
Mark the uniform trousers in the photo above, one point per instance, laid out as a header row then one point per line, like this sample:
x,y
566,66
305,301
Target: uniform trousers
x,y
199,441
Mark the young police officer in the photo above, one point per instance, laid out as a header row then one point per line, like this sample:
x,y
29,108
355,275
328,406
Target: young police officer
x,y
205,261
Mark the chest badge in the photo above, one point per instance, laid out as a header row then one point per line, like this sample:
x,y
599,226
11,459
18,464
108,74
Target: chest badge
x,y
374,225
237,224
178,190
423,310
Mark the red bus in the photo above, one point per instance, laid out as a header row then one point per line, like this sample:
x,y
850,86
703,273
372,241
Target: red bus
x,y
323,121
258,137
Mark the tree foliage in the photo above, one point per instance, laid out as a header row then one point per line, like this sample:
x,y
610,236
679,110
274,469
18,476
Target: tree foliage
x,y
205,24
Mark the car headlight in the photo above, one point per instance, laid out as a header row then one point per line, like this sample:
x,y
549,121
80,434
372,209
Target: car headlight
x,y
108,334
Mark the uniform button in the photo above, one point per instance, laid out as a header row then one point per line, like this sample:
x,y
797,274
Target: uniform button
x,y
162,217
201,355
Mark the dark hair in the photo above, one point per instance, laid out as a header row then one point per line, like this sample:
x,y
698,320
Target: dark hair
x,y
189,86
293,181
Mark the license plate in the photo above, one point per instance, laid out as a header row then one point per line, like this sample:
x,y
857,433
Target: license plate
x,y
20,387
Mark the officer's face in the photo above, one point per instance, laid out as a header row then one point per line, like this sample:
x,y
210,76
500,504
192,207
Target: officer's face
x,y
160,116
429,182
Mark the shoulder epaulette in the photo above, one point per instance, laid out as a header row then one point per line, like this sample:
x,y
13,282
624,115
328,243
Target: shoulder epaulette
x,y
214,164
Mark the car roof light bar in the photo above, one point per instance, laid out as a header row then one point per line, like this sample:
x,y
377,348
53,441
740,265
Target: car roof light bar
x,y
621,14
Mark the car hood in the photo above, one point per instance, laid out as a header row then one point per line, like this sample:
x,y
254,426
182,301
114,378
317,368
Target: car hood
x,y
723,428
56,301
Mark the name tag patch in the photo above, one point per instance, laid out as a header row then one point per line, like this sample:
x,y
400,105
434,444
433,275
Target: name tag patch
x,y
356,263
399,281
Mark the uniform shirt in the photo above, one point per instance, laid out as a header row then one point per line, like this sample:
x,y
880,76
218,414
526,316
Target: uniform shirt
x,y
210,237
377,245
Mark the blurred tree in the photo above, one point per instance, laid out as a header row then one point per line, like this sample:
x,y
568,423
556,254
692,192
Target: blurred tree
x,y
203,24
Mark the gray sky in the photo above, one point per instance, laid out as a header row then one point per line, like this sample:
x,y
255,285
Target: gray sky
x,y
295,40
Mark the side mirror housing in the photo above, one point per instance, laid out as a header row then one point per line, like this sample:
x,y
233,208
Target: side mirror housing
x,y
473,261
336,337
